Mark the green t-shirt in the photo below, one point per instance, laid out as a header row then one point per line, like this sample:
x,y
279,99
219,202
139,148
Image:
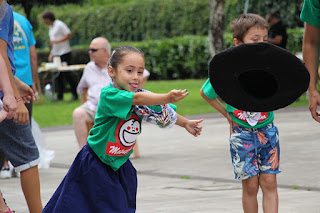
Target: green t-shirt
x,y
237,115
116,127
310,12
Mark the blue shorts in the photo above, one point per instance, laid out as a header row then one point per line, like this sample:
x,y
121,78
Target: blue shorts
x,y
92,186
18,145
254,151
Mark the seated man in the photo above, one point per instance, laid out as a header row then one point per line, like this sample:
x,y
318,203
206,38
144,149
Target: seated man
x,y
95,76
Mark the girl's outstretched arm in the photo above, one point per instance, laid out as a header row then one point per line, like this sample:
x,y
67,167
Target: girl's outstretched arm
x,y
192,126
149,99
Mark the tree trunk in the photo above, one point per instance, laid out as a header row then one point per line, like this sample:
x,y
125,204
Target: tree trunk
x,y
27,9
216,28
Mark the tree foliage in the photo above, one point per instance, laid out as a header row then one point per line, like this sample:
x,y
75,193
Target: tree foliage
x,y
288,10
28,4
134,21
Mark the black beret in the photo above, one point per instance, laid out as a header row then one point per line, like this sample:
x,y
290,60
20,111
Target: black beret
x,y
258,77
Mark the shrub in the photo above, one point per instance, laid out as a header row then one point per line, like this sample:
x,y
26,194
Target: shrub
x,y
133,21
177,58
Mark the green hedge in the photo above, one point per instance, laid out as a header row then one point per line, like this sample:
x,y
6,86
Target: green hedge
x,y
137,20
176,58
133,21
295,37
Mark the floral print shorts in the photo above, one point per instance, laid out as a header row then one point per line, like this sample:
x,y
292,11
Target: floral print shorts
x,y
254,151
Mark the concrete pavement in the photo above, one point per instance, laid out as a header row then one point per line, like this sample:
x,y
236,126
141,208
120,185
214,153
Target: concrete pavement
x,y
180,173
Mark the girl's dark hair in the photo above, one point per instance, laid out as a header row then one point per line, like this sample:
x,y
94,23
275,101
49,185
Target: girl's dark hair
x,y
119,52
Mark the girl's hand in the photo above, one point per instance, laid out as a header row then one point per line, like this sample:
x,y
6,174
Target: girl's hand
x,y
176,95
193,127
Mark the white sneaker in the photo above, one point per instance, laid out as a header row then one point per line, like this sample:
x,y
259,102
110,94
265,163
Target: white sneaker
x,y
5,173
13,171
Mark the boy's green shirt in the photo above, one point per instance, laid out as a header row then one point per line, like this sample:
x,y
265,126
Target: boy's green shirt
x,y
210,93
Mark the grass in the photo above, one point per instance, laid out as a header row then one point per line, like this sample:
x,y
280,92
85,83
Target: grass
x,y
49,114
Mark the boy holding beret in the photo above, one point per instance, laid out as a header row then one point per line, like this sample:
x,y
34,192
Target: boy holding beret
x,y
254,141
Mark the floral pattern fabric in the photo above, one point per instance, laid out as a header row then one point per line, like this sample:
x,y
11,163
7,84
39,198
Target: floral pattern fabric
x,y
254,151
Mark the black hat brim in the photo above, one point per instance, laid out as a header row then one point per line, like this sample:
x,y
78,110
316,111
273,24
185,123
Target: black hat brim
x,y
258,77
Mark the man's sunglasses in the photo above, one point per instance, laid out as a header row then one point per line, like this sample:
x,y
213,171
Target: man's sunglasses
x,y
94,49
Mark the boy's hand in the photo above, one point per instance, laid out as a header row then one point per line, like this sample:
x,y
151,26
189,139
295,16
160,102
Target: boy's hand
x,y
314,102
9,105
25,91
193,127
22,114
176,95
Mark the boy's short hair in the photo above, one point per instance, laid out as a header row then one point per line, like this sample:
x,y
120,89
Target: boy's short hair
x,y
48,15
241,25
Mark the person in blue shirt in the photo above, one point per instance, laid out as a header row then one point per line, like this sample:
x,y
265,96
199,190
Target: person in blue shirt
x,y
16,138
25,58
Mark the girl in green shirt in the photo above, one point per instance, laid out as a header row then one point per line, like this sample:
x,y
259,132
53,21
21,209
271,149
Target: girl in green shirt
x,y
102,178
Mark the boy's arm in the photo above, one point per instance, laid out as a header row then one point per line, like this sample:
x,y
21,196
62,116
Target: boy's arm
x,y
310,49
215,103
192,126
27,94
34,66
21,116
9,102
149,99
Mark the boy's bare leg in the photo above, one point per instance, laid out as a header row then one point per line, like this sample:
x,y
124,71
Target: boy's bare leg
x,y
268,183
250,188
30,184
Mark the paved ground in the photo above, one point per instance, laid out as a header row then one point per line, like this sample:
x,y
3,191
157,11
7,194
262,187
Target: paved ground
x,y
179,173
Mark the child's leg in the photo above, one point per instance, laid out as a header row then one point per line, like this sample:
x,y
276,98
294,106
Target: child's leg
x,y
3,206
30,184
250,188
19,147
269,161
268,183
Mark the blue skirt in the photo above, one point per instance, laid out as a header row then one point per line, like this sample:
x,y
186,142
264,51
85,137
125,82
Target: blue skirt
x,y
92,186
